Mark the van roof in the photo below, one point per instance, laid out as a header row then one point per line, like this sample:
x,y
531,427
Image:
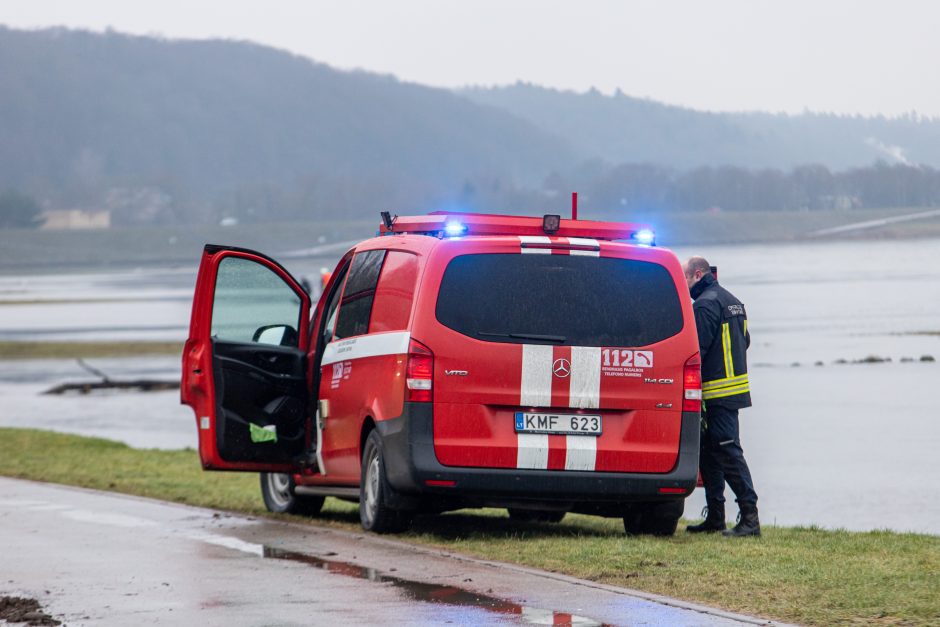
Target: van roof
x,y
441,223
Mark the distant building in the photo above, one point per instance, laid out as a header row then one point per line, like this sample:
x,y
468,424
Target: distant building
x,y
76,219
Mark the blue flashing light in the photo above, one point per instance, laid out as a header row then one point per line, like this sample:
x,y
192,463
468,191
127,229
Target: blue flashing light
x,y
644,237
454,229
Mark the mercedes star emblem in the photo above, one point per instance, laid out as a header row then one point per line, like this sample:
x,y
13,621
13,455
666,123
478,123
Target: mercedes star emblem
x,y
561,368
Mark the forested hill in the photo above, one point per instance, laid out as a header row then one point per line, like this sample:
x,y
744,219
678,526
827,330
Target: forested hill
x,y
623,129
160,131
232,122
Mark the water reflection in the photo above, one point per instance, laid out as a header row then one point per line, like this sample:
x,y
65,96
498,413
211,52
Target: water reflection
x,y
436,593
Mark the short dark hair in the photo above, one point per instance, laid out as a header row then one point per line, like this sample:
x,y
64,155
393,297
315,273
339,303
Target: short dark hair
x,y
698,263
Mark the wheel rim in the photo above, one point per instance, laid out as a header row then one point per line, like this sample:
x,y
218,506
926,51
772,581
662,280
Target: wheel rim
x,y
279,489
371,489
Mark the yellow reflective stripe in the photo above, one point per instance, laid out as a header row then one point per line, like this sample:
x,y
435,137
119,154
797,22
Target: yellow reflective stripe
x,y
720,383
728,391
745,326
726,346
723,392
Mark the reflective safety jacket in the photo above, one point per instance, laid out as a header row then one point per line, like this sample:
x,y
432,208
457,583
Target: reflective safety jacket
x,y
723,342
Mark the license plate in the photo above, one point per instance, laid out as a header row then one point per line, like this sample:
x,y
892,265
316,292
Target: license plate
x,y
561,424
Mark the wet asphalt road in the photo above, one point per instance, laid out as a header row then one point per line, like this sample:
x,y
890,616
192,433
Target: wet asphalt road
x,y
94,558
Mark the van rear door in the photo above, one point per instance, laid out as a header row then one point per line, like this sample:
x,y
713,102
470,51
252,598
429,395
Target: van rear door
x,y
245,363
566,356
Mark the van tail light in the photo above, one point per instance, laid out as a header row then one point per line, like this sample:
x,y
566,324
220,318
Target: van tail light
x,y
419,376
692,385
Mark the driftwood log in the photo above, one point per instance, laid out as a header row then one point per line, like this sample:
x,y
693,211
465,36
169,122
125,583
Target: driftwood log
x,y
107,383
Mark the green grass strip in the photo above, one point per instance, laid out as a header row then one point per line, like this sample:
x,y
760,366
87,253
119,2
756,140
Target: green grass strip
x,y
84,350
803,575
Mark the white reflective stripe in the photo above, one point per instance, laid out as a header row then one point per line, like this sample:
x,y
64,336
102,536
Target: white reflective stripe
x,y
393,343
583,241
536,389
532,450
585,390
537,616
581,452
535,239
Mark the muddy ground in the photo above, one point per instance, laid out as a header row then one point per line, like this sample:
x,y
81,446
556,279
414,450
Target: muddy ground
x,y
23,610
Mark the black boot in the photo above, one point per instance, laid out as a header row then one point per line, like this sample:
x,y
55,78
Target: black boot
x,y
714,521
749,525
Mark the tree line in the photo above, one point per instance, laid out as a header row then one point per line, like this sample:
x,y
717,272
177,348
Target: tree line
x,y
604,190
655,188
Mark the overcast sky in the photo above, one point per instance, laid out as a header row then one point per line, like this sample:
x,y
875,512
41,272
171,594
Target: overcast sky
x,y
846,56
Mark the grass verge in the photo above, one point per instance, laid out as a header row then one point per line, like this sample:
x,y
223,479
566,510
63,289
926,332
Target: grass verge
x,y
803,575
81,350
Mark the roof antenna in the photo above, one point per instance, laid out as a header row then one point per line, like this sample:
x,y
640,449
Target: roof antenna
x,y
574,205
386,220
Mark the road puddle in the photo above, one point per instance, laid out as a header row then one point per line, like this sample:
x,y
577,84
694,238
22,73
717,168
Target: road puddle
x,y
436,593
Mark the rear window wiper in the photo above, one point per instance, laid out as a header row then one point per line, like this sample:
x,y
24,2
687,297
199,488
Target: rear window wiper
x,y
558,339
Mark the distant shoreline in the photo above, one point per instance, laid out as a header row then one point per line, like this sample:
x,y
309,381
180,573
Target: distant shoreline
x,y
43,252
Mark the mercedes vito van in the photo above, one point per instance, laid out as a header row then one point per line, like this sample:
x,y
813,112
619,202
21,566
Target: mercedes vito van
x,y
542,365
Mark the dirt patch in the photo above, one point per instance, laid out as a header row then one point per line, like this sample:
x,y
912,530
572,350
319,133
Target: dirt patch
x,y
22,610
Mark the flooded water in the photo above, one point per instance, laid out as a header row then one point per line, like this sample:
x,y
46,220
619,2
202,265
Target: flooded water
x,y
142,420
840,445
832,444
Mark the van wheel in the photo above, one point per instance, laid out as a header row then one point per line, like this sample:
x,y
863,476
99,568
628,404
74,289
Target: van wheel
x,y
534,515
277,490
655,519
374,490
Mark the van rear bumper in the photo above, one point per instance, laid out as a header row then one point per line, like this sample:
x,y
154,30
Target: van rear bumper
x,y
411,463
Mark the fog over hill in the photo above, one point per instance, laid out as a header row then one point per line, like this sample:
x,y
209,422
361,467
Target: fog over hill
x,y
621,129
177,131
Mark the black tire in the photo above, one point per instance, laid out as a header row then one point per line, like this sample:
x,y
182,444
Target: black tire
x,y
655,519
277,490
374,492
534,515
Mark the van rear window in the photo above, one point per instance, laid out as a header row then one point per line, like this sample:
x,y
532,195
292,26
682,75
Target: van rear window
x,y
559,299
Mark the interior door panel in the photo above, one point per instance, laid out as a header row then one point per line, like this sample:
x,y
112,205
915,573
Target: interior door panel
x,y
261,396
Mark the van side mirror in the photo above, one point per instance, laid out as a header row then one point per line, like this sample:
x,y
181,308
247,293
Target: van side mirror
x,y
276,335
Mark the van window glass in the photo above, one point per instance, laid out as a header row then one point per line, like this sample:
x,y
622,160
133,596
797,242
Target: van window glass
x,y
248,298
356,305
394,294
566,299
330,310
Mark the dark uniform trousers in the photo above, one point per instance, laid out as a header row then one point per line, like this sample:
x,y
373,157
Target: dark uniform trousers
x,y
722,458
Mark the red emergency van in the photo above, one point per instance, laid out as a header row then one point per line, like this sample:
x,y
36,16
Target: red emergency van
x,y
543,365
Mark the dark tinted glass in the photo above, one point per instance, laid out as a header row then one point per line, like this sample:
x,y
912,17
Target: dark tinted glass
x,y
587,301
329,315
356,306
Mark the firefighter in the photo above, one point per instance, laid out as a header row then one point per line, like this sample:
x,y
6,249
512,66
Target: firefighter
x,y
723,340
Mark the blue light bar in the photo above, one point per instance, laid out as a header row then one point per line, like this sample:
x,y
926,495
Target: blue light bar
x,y
454,229
644,237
